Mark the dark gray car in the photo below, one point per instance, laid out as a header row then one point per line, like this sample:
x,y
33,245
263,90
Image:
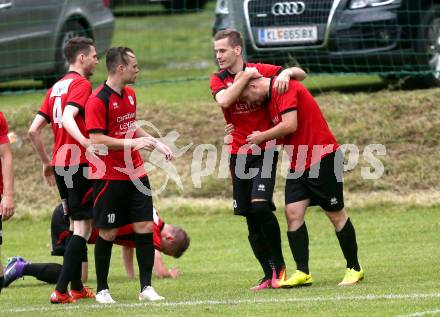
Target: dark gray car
x,y
33,33
392,38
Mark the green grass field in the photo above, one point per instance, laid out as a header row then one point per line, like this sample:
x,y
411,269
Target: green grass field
x,y
396,216
398,247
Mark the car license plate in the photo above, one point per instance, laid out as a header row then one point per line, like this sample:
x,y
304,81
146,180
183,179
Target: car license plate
x,y
285,35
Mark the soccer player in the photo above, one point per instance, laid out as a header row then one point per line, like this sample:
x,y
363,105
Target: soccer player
x,y
316,172
252,197
121,189
168,239
7,207
64,108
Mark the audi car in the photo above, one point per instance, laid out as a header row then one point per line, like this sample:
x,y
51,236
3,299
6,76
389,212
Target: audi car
x,y
33,34
392,38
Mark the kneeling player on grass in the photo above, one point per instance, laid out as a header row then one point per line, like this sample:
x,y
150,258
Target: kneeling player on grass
x,y
316,172
168,239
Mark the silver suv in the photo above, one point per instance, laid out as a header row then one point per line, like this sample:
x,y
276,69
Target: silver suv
x,y
34,32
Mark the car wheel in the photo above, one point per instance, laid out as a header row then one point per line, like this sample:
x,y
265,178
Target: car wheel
x,y
71,29
428,48
180,5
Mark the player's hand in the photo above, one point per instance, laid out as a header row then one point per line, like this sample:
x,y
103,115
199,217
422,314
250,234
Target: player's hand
x,y
49,175
255,137
228,130
163,148
7,207
86,143
65,206
252,73
147,143
174,272
281,84
229,127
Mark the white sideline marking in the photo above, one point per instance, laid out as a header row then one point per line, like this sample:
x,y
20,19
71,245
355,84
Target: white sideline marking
x,y
368,297
422,313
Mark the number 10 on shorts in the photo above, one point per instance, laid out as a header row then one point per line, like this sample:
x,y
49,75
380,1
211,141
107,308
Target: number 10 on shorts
x,y
111,218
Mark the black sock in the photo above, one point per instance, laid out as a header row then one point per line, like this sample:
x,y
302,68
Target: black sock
x,y
103,254
76,283
259,245
1,283
145,257
71,262
262,254
299,245
46,272
271,230
347,241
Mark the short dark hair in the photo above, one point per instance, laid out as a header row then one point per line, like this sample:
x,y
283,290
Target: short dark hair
x,y
117,56
233,36
75,46
180,243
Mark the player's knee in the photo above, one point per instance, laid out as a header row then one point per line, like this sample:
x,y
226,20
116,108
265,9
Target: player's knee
x,y
253,223
338,218
262,207
143,227
108,235
294,217
83,228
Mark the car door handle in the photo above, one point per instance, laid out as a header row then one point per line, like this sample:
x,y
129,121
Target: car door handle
x,y
5,5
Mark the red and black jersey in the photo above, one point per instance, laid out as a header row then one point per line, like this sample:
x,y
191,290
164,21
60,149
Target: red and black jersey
x,y
125,235
245,118
313,139
4,129
60,233
114,114
73,90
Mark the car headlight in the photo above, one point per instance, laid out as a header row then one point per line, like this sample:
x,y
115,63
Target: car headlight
x,y
222,7
358,4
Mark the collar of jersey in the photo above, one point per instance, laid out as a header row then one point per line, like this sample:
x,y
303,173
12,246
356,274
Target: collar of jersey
x,y
112,91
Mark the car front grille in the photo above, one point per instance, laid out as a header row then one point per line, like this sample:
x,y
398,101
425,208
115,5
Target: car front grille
x,y
260,13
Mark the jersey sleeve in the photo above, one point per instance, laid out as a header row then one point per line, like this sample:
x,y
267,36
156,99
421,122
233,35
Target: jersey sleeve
x,y
216,85
288,101
96,116
268,70
4,129
79,94
44,110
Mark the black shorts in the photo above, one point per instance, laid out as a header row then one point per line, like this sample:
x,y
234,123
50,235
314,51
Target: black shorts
x,y
59,231
78,194
119,202
260,186
323,188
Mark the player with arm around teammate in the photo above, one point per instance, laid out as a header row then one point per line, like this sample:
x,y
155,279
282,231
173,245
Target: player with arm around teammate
x,y
315,176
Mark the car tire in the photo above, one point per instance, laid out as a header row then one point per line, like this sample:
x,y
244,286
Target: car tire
x,y
69,30
427,49
181,5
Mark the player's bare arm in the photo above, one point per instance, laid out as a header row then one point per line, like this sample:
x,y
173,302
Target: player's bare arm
x,y
127,259
229,96
281,84
34,134
69,123
287,126
7,207
160,269
161,147
119,144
